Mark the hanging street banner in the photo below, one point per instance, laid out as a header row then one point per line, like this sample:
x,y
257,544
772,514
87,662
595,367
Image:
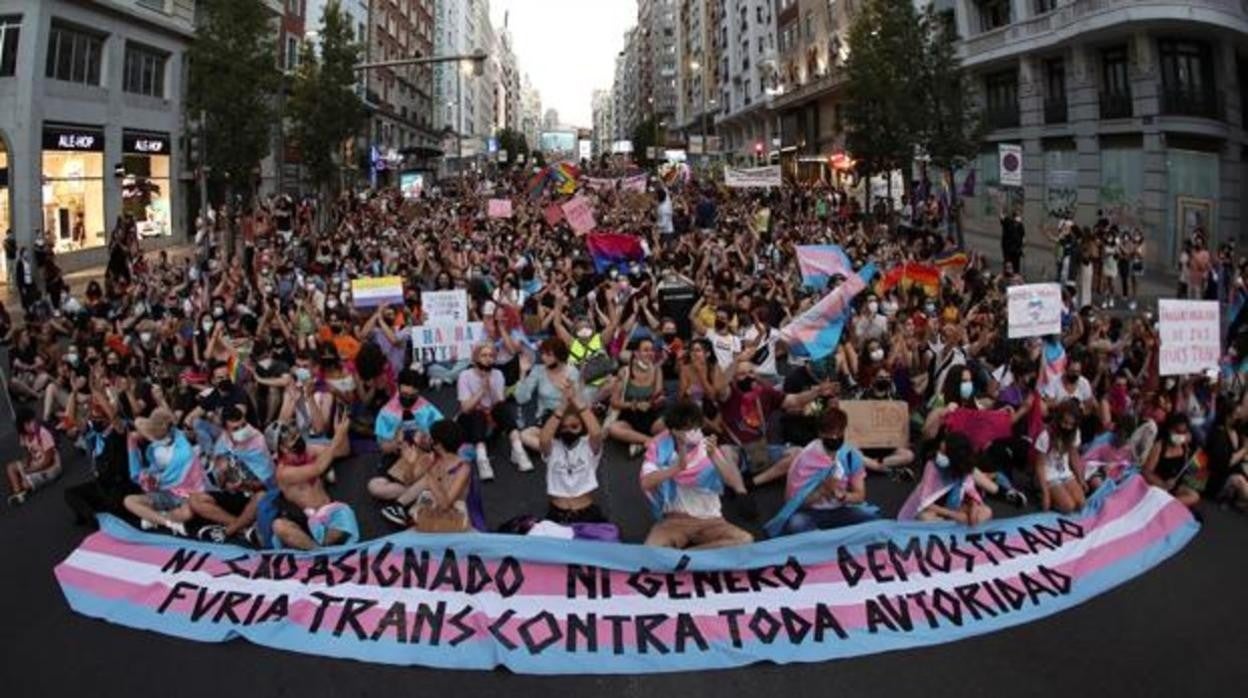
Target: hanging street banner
x,y
752,176
1033,310
1191,335
1011,164
546,606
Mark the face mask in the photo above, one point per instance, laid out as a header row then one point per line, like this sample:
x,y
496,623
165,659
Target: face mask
x,y
930,308
241,433
877,354
301,374
890,309
832,445
1071,376
745,384
693,437
331,303
225,386
882,385
1178,439
71,359
206,325
942,461
584,333
966,389
265,363
569,438
218,312
298,446
873,307
483,366
407,400
145,337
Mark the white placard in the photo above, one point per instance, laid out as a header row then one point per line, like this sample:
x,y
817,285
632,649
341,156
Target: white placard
x,y
1011,158
1034,310
445,306
752,176
445,341
1190,336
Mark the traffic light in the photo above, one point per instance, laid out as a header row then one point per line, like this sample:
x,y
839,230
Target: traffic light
x,y
758,148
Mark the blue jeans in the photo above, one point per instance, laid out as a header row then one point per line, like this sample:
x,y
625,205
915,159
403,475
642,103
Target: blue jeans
x,y
821,519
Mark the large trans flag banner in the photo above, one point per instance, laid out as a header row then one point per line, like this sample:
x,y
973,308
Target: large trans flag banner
x,y
544,606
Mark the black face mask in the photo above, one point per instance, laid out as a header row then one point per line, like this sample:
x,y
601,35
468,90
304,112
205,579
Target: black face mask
x,y
745,384
832,445
225,386
299,446
569,438
1071,377
484,366
883,385
407,400
669,336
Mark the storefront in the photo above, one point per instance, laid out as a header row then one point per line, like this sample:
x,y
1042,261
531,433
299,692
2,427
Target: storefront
x,y
73,187
145,186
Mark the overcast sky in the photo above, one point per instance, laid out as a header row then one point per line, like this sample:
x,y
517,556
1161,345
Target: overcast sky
x,y
567,47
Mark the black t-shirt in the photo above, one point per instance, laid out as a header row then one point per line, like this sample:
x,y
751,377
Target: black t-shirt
x,y
798,429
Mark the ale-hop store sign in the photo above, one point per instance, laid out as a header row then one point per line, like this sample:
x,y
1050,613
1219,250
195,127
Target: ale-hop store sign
x,y
145,143
538,605
73,138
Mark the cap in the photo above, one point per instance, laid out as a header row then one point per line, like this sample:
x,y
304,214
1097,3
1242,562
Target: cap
x,y
155,426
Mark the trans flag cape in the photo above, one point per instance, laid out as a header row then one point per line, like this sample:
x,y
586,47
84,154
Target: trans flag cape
x,y
252,453
390,419
544,606
335,515
812,467
938,484
819,262
613,249
699,472
183,475
816,332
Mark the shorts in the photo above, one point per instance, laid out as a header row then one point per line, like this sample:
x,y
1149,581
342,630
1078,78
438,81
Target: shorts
x,y
160,500
640,420
589,514
290,512
38,478
879,453
232,502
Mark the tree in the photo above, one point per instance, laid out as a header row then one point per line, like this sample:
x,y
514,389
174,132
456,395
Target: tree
x,y
952,129
645,135
233,73
883,114
324,108
514,143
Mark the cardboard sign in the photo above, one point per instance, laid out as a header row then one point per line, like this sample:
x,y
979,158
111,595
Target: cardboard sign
x,y
1190,336
580,214
877,423
372,292
1034,310
445,306
553,214
500,208
445,341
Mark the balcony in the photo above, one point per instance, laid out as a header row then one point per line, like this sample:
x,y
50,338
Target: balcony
x,y
1202,103
1055,111
1001,117
1116,105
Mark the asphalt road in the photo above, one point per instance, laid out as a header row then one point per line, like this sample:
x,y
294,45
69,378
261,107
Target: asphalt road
x,y
1177,630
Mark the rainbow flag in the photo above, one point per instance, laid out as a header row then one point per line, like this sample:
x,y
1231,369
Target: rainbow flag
x,y
820,262
537,182
563,177
951,262
816,332
926,276
613,249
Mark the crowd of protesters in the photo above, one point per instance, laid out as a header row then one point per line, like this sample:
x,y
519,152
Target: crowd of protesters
x,y
215,396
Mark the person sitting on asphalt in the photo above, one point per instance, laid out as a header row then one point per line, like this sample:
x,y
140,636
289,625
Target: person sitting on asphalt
x,y
307,518
42,463
947,490
168,471
405,420
442,482
683,476
571,443
242,470
546,383
826,485
484,411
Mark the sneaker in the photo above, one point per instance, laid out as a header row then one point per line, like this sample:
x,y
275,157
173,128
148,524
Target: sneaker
x,y
330,477
251,535
1016,498
17,499
901,474
146,525
212,534
520,458
634,450
435,383
176,528
395,514
484,469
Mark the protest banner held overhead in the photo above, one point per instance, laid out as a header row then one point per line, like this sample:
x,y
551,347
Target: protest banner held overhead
x,y
546,606
1190,336
768,176
1034,310
372,292
500,208
579,212
445,341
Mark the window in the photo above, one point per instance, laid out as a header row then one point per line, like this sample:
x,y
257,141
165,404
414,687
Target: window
x,y
1055,91
74,55
1187,85
1043,6
1115,84
144,72
993,14
158,5
10,29
1001,93
292,53
810,26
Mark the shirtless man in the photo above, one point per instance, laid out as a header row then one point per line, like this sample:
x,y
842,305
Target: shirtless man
x,y
308,518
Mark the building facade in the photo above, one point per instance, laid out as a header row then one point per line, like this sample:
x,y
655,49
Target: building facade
x,y
530,112
812,45
657,59
399,99
698,67
626,91
604,122
91,112
748,78
1133,109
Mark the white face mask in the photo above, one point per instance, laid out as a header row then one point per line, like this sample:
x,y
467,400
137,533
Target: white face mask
x,y
1178,439
693,437
873,307
584,333
241,433
207,325
877,354
145,337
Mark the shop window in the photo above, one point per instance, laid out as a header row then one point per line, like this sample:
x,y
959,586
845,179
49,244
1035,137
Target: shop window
x,y
145,194
10,30
74,55
73,199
